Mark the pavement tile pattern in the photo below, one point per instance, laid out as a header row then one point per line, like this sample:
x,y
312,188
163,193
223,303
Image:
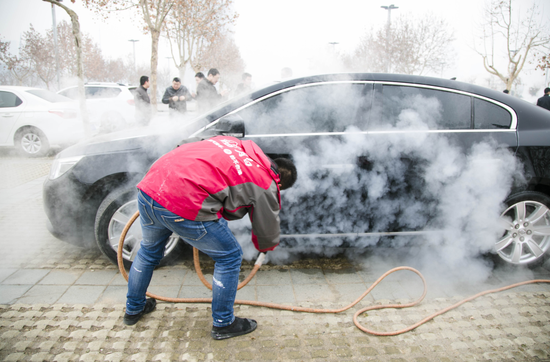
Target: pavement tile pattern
x,y
60,302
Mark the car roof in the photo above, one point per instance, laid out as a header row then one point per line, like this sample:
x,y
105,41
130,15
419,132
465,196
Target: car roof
x,y
19,88
452,84
396,78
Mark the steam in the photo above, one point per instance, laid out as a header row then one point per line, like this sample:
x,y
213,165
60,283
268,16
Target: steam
x,y
353,188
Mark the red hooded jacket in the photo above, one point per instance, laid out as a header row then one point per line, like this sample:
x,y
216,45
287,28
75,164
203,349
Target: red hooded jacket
x,y
219,177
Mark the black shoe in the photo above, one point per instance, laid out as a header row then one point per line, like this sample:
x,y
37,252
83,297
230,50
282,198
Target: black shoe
x,y
239,327
150,305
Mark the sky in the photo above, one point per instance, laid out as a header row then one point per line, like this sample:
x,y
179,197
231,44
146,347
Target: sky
x,y
276,34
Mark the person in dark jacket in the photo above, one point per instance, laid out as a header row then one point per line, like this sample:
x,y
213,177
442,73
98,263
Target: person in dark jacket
x,y
176,97
246,85
192,191
544,101
207,94
142,102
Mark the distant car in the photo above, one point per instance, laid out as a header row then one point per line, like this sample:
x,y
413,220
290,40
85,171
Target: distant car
x,y
110,105
35,120
382,157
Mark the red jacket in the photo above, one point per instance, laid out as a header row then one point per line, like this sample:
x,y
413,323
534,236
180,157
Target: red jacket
x,y
219,177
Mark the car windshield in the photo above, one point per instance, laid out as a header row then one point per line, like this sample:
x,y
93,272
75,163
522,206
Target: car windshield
x,y
48,96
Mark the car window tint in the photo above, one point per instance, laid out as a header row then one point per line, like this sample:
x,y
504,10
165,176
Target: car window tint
x,y
488,115
9,99
311,109
70,93
102,92
420,108
48,95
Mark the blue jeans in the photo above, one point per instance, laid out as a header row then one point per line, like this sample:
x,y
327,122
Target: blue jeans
x,y
211,237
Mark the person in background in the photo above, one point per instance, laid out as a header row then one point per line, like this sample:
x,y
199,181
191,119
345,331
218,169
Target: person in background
x,y
142,102
246,85
506,91
286,73
544,101
176,97
207,94
198,77
192,191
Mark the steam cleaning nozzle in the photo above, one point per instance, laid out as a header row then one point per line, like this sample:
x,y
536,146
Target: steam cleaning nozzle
x,y
260,260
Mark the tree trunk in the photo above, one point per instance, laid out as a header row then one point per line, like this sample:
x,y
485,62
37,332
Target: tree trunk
x,y
155,35
79,67
182,71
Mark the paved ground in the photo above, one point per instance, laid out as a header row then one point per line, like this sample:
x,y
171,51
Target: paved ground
x,y
59,302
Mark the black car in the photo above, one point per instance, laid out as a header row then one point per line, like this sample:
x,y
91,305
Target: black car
x,y
382,159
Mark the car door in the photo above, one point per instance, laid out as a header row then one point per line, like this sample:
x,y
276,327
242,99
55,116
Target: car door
x,y
11,108
310,123
419,135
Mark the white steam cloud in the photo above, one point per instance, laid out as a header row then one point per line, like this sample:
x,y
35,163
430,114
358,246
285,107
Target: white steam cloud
x,y
390,180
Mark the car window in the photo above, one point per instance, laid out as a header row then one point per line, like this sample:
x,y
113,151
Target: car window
x,y
9,99
48,95
415,107
488,115
310,109
70,93
102,92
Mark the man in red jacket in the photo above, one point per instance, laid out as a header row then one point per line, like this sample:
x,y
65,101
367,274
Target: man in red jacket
x,y
192,191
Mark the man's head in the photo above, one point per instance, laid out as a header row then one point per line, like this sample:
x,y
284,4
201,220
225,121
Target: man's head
x,y
176,83
144,81
547,91
213,76
287,172
247,78
286,73
198,77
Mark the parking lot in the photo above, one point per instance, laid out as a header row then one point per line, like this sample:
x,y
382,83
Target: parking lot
x,y
60,302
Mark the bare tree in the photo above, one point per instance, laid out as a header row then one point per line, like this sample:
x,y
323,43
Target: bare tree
x,y
39,50
193,26
19,66
543,63
78,41
411,46
153,14
510,37
224,55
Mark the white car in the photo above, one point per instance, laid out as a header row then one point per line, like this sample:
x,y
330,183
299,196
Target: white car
x,y
109,105
34,120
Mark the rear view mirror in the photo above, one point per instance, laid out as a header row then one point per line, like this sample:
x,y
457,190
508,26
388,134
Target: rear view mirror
x,y
231,125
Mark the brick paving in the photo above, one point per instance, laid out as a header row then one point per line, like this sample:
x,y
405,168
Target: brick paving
x,y
60,302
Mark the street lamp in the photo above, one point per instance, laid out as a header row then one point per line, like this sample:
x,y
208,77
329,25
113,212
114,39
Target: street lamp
x,y
390,8
333,43
134,46
388,60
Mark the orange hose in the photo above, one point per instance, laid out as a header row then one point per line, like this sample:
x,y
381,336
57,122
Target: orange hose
x,y
315,310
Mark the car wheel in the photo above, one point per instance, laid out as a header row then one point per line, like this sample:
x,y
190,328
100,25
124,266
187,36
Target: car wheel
x,y
526,239
31,142
112,216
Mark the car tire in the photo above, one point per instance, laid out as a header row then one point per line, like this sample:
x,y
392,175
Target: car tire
x,y
111,218
526,238
31,142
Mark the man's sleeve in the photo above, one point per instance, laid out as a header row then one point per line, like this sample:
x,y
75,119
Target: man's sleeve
x,y
166,97
265,220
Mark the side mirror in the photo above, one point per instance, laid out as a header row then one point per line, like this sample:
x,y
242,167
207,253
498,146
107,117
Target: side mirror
x,y
232,125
